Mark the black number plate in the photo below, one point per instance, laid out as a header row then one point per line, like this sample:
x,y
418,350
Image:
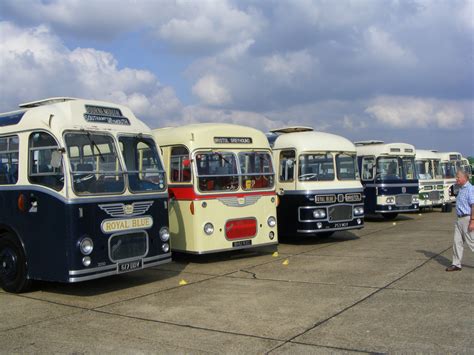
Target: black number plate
x,y
129,266
242,243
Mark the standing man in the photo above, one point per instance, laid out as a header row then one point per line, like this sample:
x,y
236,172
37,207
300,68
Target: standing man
x,y
464,226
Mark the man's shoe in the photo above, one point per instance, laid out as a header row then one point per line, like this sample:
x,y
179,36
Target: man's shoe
x,y
453,268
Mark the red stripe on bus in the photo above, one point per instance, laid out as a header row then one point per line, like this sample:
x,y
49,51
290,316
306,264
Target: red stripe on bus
x,y
187,193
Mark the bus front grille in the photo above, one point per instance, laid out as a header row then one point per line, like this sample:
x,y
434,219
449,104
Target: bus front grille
x,y
404,200
340,213
128,246
434,195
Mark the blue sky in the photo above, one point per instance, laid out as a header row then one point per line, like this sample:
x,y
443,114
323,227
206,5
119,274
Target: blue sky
x,y
396,70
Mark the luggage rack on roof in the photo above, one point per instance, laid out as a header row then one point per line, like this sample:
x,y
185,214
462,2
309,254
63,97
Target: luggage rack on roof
x,y
292,129
49,101
360,143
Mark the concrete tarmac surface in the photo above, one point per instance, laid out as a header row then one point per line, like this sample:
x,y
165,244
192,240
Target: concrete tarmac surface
x,y
376,290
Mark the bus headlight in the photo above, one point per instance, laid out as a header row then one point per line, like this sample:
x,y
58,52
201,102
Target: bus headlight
x,y
208,228
164,234
86,261
358,210
86,245
165,247
414,199
271,221
390,200
319,213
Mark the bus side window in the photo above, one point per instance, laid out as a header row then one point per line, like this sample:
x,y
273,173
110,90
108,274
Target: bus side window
x,y
287,166
368,165
8,160
41,168
180,165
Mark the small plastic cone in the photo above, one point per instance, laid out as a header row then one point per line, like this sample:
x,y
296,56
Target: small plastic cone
x,y
183,282
275,254
286,262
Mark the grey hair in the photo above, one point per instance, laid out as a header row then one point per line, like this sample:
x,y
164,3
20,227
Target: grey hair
x,y
463,173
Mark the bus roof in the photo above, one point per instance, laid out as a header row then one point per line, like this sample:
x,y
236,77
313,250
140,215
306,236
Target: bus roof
x,y
211,135
394,149
446,156
292,129
314,141
424,154
59,114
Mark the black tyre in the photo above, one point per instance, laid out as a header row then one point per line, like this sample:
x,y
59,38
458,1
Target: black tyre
x,y
390,216
13,267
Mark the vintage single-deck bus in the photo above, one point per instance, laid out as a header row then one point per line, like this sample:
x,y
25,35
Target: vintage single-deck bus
x,y
317,182
82,193
221,187
466,166
388,174
450,163
430,178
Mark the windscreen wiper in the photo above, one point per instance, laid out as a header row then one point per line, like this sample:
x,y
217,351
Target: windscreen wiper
x,y
94,144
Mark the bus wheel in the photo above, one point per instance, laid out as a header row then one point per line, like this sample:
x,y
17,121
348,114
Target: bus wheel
x,y
390,216
13,270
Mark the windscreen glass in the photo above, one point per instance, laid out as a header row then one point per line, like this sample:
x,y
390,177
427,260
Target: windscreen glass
x,y
316,167
94,163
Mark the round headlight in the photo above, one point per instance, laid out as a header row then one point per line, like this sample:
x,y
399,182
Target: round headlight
x,y
208,228
271,235
164,234
86,245
165,247
319,213
271,221
86,261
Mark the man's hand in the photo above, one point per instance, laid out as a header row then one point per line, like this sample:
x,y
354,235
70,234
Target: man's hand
x,y
470,228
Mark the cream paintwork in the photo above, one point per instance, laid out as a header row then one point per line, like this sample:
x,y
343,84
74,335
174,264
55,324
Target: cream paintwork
x,y
186,229
61,116
187,233
384,149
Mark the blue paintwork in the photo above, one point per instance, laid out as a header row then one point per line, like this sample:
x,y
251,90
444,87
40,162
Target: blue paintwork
x,y
50,236
288,213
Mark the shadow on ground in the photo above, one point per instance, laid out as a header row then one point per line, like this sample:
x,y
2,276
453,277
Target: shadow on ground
x,y
315,239
440,259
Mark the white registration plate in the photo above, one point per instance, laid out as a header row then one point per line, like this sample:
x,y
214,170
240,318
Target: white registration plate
x,y
130,266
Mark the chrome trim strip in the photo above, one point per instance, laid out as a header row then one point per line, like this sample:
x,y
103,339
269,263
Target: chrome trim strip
x,y
397,211
326,208
392,185
323,191
226,249
115,272
359,226
114,266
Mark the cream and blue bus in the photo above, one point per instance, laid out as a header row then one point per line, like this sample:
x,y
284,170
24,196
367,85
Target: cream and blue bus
x,y
221,188
83,193
317,182
430,178
388,174
450,164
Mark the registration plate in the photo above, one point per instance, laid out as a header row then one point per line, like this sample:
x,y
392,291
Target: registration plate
x,y
242,243
129,266
341,225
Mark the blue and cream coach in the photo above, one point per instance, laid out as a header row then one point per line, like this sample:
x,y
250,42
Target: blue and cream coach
x,y
82,193
317,182
388,174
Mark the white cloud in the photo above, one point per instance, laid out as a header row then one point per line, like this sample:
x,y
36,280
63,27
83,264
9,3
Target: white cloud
x,y
382,46
36,64
403,112
211,91
289,66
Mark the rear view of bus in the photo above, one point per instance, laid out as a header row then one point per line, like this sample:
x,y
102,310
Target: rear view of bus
x,y
430,178
221,187
317,182
83,191
387,172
